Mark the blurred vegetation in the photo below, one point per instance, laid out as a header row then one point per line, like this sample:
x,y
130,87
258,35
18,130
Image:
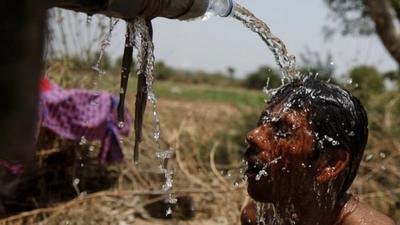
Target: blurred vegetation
x,y
367,17
366,81
265,76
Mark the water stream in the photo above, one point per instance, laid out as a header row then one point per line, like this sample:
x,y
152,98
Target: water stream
x,y
97,67
104,44
285,61
143,42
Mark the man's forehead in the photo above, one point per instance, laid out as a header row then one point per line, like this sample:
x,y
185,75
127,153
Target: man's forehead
x,y
274,112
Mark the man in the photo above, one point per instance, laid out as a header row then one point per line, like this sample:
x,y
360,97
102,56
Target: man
x,y
304,155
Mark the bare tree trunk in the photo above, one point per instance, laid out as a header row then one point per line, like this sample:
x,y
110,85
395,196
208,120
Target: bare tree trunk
x,y
385,27
22,33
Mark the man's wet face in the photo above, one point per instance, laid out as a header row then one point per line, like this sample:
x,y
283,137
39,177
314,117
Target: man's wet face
x,y
278,156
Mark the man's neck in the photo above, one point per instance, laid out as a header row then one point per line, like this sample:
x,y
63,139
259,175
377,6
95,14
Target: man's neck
x,y
306,211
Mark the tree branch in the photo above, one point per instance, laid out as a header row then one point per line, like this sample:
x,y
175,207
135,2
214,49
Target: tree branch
x,y
385,27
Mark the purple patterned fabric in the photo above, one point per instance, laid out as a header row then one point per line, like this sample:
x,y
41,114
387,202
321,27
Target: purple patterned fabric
x,y
14,168
77,114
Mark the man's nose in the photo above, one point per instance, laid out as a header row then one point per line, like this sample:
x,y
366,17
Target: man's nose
x,y
252,140
258,137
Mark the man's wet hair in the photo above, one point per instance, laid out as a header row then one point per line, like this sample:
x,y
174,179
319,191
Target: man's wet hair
x,y
337,118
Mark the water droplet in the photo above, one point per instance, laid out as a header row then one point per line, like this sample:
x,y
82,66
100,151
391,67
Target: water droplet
x,y
260,174
91,148
121,124
168,180
76,181
368,157
163,155
351,134
83,140
168,212
382,155
88,19
335,143
172,200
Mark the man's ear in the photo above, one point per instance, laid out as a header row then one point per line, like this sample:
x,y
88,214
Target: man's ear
x,y
331,164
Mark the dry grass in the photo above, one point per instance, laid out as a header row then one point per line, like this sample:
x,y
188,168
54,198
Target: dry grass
x,y
379,175
214,197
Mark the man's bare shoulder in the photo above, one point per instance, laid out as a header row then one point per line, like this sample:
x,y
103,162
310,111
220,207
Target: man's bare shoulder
x,y
366,215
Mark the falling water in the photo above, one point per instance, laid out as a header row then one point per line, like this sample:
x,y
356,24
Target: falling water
x,y
89,19
285,61
146,55
260,207
97,67
144,44
263,171
104,44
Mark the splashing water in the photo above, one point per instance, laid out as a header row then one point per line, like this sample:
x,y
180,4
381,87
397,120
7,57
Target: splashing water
x,y
143,42
285,61
263,171
83,140
104,44
97,67
260,213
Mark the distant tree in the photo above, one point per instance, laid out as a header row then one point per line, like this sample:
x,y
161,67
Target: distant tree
x,y
393,76
263,76
162,71
365,17
231,72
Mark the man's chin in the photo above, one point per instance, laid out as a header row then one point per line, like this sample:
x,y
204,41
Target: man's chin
x,y
260,190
